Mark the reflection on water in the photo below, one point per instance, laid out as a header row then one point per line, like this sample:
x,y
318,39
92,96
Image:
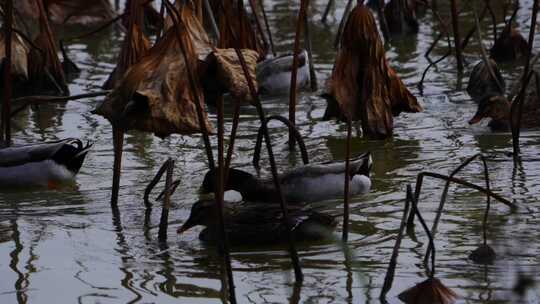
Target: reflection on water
x,y
63,247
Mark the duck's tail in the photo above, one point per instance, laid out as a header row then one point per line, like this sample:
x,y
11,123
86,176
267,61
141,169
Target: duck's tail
x,y
72,154
361,164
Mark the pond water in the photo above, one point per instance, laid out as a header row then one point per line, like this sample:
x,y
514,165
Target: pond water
x,y
66,246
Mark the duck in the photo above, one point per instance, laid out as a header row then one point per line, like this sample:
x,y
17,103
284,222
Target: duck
x,y
498,108
258,224
482,85
274,74
308,183
48,164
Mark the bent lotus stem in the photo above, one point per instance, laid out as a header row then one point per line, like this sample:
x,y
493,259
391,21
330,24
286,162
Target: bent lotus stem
x,y
389,277
177,20
164,220
420,178
516,121
153,183
473,29
429,272
6,107
293,89
445,195
297,137
262,117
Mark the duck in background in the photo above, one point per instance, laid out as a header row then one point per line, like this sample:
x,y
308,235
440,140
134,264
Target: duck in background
x,y
258,224
499,109
47,164
482,85
274,74
309,183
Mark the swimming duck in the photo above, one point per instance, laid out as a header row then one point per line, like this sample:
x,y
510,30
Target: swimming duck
x,y
258,224
498,108
274,74
47,164
309,183
482,85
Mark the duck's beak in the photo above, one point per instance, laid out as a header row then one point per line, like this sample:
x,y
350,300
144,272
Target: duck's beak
x,y
476,119
187,225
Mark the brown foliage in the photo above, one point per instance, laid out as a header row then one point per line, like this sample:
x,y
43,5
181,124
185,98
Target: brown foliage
x,y
45,60
155,95
431,291
69,12
246,36
225,72
135,45
363,86
19,55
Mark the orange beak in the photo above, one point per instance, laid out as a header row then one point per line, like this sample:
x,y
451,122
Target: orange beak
x,y
476,119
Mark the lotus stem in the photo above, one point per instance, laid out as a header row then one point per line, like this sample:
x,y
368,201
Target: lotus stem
x,y
518,107
163,223
329,5
118,144
175,17
429,273
262,117
253,6
293,89
219,203
212,18
309,48
342,23
346,194
153,183
297,137
457,39
6,107
177,20
389,277
230,150
267,25
484,53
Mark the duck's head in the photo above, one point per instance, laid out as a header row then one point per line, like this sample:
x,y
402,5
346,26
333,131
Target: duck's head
x,y
494,107
236,180
201,214
362,165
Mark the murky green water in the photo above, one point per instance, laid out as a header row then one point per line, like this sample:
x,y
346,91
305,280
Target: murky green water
x,y
64,247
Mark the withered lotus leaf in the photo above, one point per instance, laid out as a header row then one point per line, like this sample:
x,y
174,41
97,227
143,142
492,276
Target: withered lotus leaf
x,y
431,291
363,86
69,12
45,70
155,94
134,46
19,55
245,36
225,72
